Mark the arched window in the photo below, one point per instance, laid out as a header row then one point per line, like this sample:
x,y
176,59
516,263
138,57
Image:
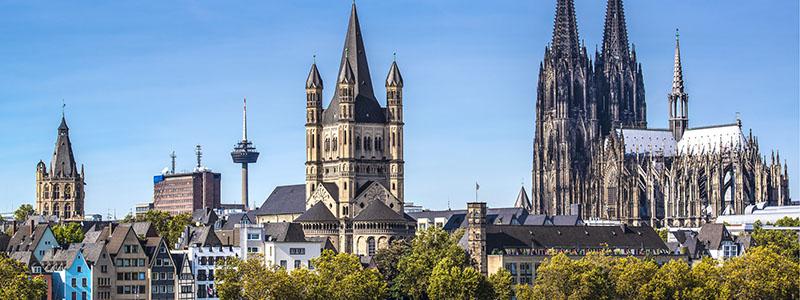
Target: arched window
x,y
56,192
358,143
344,138
67,191
46,209
327,144
335,143
371,246
67,210
46,191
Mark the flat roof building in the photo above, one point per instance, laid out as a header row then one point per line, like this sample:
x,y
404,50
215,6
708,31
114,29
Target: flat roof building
x,y
186,192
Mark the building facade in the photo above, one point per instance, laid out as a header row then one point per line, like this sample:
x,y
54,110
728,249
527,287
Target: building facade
x,y
186,192
60,189
592,146
354,151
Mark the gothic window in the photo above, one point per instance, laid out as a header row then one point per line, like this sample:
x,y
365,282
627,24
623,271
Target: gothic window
x,y
46,191
67,191
358,143
335,143
56,192
378,145
344,138
367,143
327,144
46,208
67,210
371,246
393,138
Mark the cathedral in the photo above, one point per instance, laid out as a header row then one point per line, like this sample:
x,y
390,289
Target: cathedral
x,y
60,192
354,156
592,146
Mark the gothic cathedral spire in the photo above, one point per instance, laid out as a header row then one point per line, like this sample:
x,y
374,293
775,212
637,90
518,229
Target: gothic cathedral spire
x,y
678,99
621,86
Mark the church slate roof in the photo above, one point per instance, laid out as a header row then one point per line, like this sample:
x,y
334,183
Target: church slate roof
x,y
378,211
205,216
711,139
314,80
317,213
332,189
522,200
286,199
91,251
63,163
642,141
394,78
367,108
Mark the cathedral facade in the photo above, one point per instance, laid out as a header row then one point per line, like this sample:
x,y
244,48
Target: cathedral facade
x,y
59,190
592,146
354,151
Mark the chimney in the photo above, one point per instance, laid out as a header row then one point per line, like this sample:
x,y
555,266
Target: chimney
x,y
32,224
476,234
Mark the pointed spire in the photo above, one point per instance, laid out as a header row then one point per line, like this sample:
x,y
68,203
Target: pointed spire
x,y
63,163
522,200
615,35
346,72
394,79
355,55
677,77
244,120
314,80
565,30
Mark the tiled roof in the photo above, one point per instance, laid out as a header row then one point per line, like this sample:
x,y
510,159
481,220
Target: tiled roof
x,y
26,239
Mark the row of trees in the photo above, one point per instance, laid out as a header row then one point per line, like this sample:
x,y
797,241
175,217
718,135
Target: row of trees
x,y
762,273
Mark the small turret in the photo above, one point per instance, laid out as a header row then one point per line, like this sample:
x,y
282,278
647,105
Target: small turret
x,y
678,99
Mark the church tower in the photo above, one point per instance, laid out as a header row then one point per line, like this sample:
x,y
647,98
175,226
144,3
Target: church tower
x,y
566,119
620,83
354,155
678,99
59,192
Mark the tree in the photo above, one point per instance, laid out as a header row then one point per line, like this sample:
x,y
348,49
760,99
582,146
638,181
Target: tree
x,y
341,276
501,284
762,273
23,212
706,279
166,225
628,273
663,234
784,241
451,280
554,278
428,248
17,284
672,281
525,292
68,233
386,261
227,280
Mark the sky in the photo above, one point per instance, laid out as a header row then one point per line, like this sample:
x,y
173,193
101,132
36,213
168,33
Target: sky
x,y
141,79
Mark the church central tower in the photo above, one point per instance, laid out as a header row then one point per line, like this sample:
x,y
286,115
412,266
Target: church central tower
x,y
354,150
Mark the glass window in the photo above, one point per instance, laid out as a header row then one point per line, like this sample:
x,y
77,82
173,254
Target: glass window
x,y
283,264
297,264
74,282
371,246
297,251
83,282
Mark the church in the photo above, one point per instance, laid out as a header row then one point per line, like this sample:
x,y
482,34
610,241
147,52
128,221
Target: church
x,y
592,146
354,156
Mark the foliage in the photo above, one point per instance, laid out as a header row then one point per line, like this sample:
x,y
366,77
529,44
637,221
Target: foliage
x,y
386,261
524,292
501,284
671,281
68,233
706,279
166,225
762,273
560,277
23,212
628,274
336,276
428,248
663,234
785,241
451,280
16,283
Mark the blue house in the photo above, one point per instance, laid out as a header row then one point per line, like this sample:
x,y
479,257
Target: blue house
x,y
72,278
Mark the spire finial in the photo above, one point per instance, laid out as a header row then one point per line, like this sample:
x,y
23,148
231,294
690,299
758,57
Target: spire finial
x,y
63,107
394,56
677,34
314,59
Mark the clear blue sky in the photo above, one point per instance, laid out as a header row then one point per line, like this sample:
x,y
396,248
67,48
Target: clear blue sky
x,y
144,78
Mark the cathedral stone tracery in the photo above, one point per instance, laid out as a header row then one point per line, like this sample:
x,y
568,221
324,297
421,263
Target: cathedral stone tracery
x,y
592,146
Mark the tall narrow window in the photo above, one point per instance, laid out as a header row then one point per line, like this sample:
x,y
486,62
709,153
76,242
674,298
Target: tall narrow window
x,y
371,246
